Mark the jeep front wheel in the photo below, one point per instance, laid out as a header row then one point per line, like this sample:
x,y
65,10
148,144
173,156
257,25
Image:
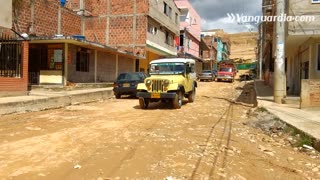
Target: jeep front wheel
x,y
144,103
192,95
177,101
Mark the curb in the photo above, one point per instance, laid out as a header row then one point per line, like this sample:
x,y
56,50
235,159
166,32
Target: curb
x,y
40,103
315,140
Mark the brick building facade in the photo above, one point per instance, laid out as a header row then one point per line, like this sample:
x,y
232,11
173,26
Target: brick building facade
x,y
59,50
143,28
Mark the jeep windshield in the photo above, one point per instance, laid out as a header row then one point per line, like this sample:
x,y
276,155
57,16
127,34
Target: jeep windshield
x,y
167,68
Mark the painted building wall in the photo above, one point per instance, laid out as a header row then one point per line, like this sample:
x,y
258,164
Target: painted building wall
x,y
219,49
162,29
6,14
303,8
192,24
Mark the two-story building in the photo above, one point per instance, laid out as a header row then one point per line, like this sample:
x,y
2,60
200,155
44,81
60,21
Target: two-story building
x,y
302,39
190,31
144,28
209,55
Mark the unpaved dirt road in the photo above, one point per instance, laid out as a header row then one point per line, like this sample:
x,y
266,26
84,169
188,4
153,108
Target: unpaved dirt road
x,y
115,139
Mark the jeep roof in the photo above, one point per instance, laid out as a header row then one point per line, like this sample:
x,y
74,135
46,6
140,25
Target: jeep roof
x,y
182,60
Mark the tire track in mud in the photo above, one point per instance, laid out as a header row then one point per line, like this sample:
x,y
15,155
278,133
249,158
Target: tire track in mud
x,y
224,138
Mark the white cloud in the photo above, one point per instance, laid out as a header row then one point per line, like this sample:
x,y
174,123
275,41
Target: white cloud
x,y
227,25
214,13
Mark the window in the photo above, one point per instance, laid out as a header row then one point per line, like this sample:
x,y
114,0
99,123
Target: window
x,y
215,40
318,58
82,63
55,58
177,18
315,1
183,17
165,8
181,40
167,38
152,29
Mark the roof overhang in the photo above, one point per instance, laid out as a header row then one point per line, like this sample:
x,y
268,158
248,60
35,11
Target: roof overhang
x,y
85,44
187,55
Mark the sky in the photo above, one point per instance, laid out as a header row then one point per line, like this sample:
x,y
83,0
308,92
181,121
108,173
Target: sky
x,y
214,13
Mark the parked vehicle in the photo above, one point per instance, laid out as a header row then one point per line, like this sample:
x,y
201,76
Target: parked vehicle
x,y
250,75
226,73
170,80
126,83
207,75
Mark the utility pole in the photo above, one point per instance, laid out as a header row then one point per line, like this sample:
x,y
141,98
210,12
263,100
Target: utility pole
x,y
261,34
279,90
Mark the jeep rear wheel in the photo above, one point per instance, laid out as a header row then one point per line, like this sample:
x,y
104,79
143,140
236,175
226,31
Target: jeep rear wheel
x,y
192,95
177,101
144,103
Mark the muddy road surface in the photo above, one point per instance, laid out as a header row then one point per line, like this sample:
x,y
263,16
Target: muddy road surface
x,y
115,139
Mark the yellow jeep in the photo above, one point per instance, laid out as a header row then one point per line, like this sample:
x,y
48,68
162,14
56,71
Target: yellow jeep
x,y
170,80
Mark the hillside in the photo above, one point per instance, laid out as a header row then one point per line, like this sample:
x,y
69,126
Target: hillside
x,y
243,45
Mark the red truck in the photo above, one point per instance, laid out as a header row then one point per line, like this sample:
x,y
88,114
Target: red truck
x,y
226,72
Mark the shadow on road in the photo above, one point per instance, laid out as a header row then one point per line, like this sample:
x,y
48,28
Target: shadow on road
x,y
160,105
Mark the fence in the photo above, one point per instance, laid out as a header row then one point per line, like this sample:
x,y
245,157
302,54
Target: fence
x,y
10,55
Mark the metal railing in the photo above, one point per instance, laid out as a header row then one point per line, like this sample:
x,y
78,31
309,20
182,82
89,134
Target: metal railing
x,y
10,56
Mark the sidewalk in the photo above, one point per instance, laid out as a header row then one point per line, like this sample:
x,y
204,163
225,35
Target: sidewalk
x,y
40,100
306,120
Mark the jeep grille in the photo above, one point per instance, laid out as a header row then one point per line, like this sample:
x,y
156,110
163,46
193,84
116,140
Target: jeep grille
x,y
157,85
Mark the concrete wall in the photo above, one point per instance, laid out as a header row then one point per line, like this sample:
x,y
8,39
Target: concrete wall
x,y
156,12
310,93
314,53
303,8
307,52
157,40
125,64
106,68
77,76
6,14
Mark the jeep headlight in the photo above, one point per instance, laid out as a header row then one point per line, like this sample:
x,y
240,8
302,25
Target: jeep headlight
x,y
148,82
166,83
